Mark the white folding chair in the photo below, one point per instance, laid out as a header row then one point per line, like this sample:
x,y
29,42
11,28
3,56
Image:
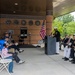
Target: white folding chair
x,y
40,43
4,64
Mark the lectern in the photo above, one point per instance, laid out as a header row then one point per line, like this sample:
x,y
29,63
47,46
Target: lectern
x,y
50,45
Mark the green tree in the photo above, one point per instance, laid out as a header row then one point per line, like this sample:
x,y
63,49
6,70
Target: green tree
x,y
58,24
66,18
71,28
65,24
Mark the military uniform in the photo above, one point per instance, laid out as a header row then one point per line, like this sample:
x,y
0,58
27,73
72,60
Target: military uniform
x,y
73,51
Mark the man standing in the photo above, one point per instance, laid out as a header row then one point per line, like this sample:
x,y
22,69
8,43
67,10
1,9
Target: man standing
x,y
57,36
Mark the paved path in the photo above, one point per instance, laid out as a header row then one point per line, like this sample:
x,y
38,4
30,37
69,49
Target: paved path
x,y
37,63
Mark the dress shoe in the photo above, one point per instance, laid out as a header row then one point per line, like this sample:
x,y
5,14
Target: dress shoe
x,y
66,59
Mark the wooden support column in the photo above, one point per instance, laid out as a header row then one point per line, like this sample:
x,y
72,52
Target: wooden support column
x,y
49,16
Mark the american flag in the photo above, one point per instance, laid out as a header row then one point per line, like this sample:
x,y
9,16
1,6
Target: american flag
x,y
42,31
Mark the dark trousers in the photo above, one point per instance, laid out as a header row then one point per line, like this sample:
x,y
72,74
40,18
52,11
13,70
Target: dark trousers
x,y
72,54
15,55
14,46
16,58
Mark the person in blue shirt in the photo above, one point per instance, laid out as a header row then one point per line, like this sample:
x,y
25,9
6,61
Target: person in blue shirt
x,y
15,56
2,42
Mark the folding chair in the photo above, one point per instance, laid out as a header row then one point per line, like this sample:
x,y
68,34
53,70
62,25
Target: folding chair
x,y
41,43
4,64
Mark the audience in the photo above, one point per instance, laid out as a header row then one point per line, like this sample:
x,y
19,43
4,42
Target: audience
x,y
73,50
67,47
12,45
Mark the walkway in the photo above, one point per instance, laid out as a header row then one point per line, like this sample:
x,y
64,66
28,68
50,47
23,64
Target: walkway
x,y
37,63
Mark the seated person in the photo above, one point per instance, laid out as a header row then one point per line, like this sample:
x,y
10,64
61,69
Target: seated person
x,y
67,47
15,56
1,44
17,59
72,55
6,55
6,40
15,46
67,50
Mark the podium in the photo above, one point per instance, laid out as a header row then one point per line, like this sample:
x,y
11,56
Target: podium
x,y
50,45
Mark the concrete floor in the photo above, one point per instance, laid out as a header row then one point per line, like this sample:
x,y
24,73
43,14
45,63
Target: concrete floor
x,y
37,63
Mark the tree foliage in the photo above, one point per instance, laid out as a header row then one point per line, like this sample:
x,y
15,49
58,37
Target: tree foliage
x,y
66,18
65,24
